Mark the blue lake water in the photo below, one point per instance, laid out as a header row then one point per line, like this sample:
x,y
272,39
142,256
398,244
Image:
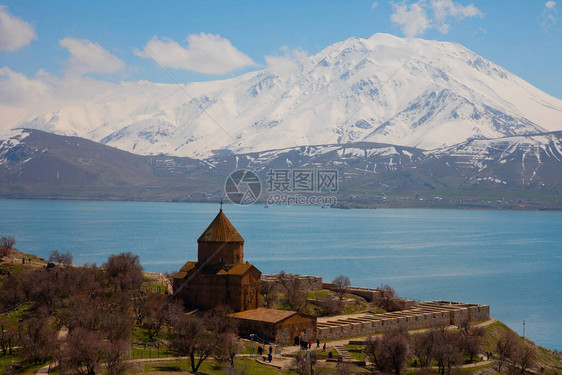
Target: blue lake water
x,y
509,260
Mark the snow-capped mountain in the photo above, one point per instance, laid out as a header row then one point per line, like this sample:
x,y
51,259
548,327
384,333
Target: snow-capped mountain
x,y
409,92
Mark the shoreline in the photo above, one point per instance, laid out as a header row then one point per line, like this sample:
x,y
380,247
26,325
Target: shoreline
x,y
402,204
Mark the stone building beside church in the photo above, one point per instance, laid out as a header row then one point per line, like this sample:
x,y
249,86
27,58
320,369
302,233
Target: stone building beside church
x,y
220,276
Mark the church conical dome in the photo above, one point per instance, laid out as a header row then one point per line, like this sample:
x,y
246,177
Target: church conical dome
x,y
220,230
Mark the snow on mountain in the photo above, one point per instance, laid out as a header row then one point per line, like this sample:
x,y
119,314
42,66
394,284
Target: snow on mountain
x,y
528,160
409,92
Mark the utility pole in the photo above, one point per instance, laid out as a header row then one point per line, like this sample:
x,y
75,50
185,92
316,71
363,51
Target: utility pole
x,y
523,328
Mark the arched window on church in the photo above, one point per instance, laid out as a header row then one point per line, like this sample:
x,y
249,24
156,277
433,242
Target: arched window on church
x,y
221,259
237,258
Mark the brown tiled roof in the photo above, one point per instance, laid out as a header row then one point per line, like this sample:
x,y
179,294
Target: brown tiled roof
x,y
240,269
264,315
220,230
182,273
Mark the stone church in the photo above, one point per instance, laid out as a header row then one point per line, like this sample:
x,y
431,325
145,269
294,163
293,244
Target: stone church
x,y
220,276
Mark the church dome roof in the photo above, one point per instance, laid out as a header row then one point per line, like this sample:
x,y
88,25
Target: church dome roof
x,y
220,230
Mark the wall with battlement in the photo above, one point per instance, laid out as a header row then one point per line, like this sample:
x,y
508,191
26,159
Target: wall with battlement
x,y
307,282
369,294
423,315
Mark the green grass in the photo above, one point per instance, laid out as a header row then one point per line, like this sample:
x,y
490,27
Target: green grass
x,y
22,312
354,308
320,293
149,352
357,356
208,367
545,357
13,360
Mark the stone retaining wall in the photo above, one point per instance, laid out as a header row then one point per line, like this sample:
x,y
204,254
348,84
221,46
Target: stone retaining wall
x,y
369,294
307,282
423,315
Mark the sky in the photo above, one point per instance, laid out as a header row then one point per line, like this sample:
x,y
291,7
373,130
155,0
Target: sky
x,y
72,42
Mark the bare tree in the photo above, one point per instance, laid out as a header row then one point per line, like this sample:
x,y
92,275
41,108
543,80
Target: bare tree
x,y
83,312
344,368
16,288
341,284
62,258
8,335
116,325
390,352
190,338
470,339
283,279
173,311
524,357
155,315
329,306
228,348
6,245
116,354
506,348
38,337
446,351
124,272
82,352
269,294
388,299
303,363
296,294
217,320
141,305
423,345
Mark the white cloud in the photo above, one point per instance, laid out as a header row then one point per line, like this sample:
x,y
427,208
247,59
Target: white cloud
x,y
290,62
549,15
87,57
444,28
444,8
205,53
374,5
14,32
412,19
23,98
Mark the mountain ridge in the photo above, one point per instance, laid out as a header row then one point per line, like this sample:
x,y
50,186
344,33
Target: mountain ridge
x,y
411,92
36,164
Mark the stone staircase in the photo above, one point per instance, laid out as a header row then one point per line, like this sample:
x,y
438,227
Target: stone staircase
x,y
345,355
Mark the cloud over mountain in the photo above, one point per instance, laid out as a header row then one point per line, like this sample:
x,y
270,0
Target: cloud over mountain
x,y
87,57
205,53
416,18
15,33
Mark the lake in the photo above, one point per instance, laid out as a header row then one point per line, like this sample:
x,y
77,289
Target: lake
x,y
509,260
